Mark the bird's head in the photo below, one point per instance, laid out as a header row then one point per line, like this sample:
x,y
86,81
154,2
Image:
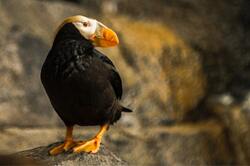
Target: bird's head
x,y
94,31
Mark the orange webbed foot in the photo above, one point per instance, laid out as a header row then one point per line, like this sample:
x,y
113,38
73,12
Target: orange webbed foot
x,y
91,146
66,146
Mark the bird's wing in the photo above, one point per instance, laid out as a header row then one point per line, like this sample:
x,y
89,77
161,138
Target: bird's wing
x,y
115,78
116,83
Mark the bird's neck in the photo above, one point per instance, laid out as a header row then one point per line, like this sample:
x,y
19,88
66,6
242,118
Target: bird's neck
x,y
69,32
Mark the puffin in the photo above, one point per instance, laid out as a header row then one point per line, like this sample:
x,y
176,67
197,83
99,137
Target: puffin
x,y
82,84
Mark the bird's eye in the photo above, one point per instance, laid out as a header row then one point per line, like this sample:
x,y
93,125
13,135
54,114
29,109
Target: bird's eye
x,y
85,24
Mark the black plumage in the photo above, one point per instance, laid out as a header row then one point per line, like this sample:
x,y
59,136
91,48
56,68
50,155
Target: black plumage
x,y
83,84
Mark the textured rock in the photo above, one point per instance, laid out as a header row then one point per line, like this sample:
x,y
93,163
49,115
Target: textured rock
x,y
204,143
191,145
103,158
218,31
18,160
236,123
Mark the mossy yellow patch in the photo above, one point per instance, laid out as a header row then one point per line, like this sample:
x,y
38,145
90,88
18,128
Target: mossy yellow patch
x,y
167,67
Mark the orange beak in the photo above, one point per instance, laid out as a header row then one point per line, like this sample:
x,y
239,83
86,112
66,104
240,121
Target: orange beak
x,y
104,37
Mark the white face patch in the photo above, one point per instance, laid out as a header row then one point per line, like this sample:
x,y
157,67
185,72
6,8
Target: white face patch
x,y
86,26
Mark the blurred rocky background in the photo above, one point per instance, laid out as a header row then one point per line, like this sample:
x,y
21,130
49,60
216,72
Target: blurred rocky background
x,y
185,66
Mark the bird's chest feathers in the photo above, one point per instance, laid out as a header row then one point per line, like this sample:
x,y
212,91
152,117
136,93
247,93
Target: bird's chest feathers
x,y
74,65
71,60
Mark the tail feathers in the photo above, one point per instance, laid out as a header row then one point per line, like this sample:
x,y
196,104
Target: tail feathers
x,y
124,109
117,112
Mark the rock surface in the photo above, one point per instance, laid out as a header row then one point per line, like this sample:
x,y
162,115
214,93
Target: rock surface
x,y
103,158
203,143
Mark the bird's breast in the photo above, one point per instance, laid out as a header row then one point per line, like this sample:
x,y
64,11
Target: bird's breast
x,y
65,66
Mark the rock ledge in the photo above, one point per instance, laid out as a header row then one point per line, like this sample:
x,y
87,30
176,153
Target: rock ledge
x,y
103,158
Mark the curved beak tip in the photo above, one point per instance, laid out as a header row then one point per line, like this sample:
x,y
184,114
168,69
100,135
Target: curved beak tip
x,y
115,40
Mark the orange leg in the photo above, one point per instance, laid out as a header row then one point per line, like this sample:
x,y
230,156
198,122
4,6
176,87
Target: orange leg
x,y
67,145
93,145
